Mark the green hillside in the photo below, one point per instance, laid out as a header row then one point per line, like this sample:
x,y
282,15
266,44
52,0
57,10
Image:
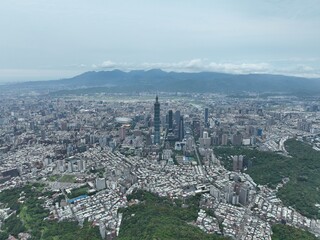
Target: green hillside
x,y
160,218
303,189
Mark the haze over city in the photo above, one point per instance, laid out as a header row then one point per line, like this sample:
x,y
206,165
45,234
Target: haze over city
x,y
159,120
51,40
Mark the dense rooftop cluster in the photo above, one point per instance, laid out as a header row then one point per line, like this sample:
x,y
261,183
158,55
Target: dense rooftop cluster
x,y
92,152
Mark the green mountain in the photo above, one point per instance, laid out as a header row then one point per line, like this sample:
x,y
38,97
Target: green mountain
x,y
158,80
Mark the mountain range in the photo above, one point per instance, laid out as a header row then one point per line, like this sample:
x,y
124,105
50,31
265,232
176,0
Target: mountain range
x,y
158,80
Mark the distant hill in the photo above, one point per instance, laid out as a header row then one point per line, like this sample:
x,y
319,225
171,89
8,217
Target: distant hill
x,y
158,80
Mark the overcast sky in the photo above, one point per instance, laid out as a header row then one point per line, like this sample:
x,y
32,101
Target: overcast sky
x,y
43,40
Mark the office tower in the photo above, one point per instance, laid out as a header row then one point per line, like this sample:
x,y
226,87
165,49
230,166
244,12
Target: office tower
x,y
250,130
122,133
170,121
177,117
148,139
196,128
181,128
259,132
43,134
167,121
156,122
206,117
205,141
69,150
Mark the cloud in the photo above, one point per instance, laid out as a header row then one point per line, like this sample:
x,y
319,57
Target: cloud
x,y
300,70
194,65
200,65
240,68
108,64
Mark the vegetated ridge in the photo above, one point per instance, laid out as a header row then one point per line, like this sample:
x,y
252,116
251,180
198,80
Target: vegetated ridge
x,y
269,168
158,80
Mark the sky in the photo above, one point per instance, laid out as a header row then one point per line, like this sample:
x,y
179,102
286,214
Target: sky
x,y
44,40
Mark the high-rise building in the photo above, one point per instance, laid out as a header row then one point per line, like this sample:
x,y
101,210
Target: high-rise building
x,y
148,140
237,163
181,128
70,166
102,228
240,162
228,192
205,134
170,121
206,117
69,150
61,165
43,134
236,139
92,139
167,121
189,144
177,117
244,195
122,133
196,128
100,183
224,139
215,192
81,165
205,141
156,122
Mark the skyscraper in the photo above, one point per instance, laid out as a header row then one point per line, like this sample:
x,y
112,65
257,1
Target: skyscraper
x,y
206,117
244,195
177,117
237,163
170,121
122,133
181,128
157,121
196,128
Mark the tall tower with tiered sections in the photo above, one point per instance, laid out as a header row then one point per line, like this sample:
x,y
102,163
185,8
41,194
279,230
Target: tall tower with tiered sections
x,y
157,121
